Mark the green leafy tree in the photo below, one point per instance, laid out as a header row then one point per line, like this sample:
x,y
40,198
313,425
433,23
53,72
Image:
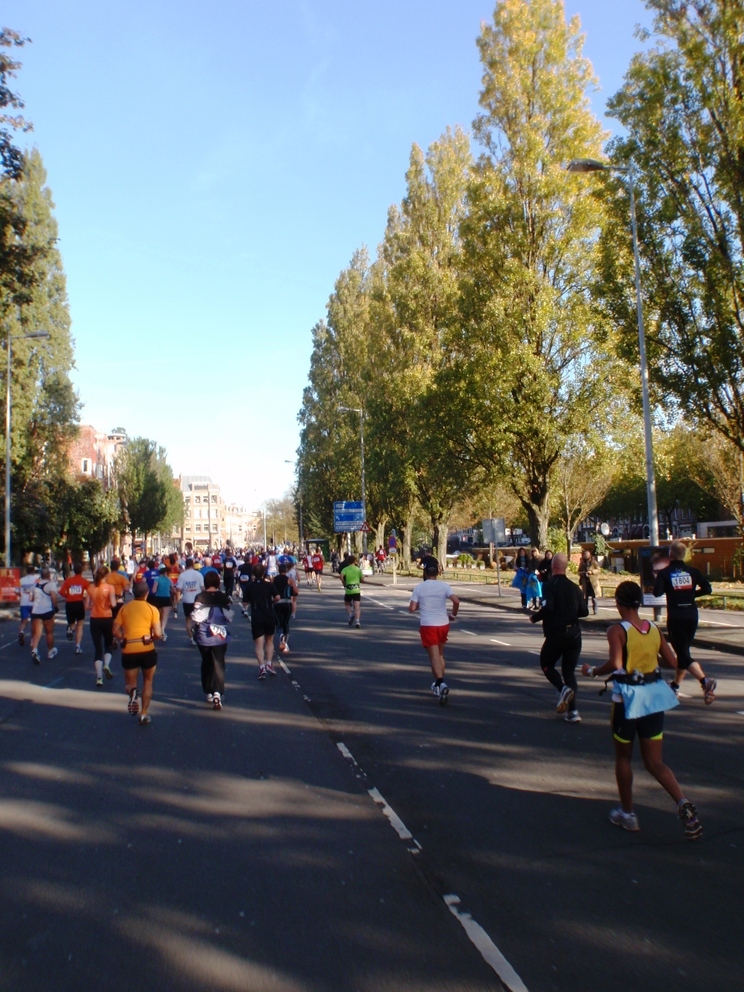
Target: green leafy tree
x,y
145,488
681,106
415,303
529,361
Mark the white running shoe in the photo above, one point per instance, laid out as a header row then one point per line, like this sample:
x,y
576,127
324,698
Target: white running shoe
x,y
52,654
78,649
572,717
270,669
164,638
217,701
107,672
628,821
99,683
564,700
262,671
133,705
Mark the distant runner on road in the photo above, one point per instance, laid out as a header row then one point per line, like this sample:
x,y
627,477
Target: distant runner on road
x,y
682,584
72,591
352,578
562,606
137,625
318,562
211,616
430,598
635,646
190,584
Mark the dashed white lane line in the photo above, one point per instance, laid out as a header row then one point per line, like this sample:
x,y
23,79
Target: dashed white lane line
x,y
395,821
469,632
284,667
489,951
495,640
383,605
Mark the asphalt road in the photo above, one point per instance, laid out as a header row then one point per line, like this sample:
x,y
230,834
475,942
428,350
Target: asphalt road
x,y
241,850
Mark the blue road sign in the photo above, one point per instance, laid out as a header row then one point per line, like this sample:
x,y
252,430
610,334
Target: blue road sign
x,y
348,517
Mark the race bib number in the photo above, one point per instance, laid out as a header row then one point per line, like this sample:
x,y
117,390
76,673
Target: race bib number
x,y
681,581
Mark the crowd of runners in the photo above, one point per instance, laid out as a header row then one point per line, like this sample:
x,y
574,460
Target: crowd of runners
x,y
129,606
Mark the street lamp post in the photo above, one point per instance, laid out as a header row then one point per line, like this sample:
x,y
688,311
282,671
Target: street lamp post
x,y
592,165
351,409
9,348
289,461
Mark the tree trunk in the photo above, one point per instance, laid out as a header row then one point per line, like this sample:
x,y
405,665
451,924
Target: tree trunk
x,y
380,534
406,541
539,518
439,548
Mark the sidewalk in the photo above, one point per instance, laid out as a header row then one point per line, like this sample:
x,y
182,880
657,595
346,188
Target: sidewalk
x,y
709,635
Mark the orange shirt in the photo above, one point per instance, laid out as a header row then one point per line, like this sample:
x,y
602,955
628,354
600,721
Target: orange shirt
x,y
119,582
72,588
100,598
138,619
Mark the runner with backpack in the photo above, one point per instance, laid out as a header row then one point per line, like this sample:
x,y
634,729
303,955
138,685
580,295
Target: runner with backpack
x,y
210,618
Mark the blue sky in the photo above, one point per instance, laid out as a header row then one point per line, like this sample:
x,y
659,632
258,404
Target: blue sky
x,y
214,166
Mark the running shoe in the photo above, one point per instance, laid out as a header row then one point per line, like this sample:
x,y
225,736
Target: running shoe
x,y
107,672
192,641
99,683
114,645
144,719
270,668
628,821
245,613
78,649
435,689
351,620
262,671
564,700
21,638
164,638
35,657
70,633
688,816
210,697
443,693
217,701
134,702
674,687
572,717
709,690
357,625
282,646
52,654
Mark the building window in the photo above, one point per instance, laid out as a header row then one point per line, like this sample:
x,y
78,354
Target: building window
x,y
214,498
187,529
196,499
86,463
197,526
214,526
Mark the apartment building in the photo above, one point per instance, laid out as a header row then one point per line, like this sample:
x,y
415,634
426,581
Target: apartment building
x,y
92,454
204,513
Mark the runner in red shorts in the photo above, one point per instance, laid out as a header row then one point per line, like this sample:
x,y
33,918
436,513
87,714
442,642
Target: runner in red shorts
x,y
430,598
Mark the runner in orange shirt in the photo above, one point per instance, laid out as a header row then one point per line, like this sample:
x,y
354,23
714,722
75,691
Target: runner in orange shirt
x,y
72,591
100,598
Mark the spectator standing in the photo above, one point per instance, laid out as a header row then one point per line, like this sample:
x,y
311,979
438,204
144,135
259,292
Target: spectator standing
x,y
589,572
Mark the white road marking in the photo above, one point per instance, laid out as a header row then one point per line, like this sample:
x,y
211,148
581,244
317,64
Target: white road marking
x,y
346,752
395,821
718,623
530,651
495,640
470,632
740,712
405,611
56,682
284,667
7,645
489,951
383,605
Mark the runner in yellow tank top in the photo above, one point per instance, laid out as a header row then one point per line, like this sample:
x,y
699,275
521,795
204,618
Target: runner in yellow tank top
x,y
635,646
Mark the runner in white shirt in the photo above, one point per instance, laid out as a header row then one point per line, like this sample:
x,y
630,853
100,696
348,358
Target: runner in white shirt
x,y
42,616
430,598
28,583
190,583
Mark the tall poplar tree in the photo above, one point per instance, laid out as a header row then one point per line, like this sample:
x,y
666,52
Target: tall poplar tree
x,y
524,373
681,105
